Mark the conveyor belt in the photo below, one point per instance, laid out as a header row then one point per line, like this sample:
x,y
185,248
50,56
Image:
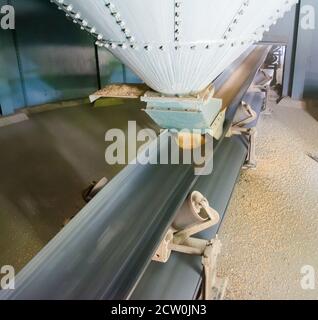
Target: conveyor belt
x,y
99,255
105,250
179,279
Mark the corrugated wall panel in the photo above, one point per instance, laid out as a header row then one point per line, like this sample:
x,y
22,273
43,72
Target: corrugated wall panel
x,y
11,95
57,61
305,84
48,59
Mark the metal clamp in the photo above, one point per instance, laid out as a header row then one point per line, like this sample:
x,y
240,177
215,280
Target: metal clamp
x,y
179,239
240,128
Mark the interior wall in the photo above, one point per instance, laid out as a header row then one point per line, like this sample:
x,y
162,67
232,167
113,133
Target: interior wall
x,y
283,33
305,83
47,58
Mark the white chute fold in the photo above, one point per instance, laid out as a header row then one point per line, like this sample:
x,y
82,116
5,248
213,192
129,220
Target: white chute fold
x,y
176,46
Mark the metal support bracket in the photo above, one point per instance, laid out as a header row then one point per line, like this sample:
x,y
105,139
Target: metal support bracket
x,y
240,127
186,112
182,241
264,86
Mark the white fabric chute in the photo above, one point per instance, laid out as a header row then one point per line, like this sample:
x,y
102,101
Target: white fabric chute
x,y
176,46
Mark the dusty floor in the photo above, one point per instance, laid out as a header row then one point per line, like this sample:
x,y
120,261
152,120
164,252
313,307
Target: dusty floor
x,y
271,229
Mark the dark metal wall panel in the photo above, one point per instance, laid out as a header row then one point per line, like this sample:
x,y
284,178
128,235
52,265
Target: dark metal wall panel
x,y
90,273
11,95
111,69
48,58
305,75
301,73
283,32
178,279
57,59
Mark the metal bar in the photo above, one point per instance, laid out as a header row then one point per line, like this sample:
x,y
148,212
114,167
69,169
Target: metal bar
x,y
294,48
105,250
99,81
